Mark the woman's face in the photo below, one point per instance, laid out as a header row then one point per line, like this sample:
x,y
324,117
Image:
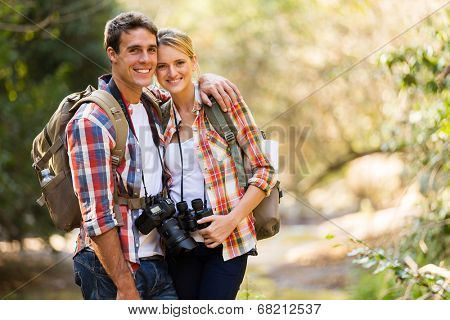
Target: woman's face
x,y
174,69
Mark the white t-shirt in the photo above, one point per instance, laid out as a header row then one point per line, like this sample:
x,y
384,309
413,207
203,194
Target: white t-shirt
x,y
150,244
193,180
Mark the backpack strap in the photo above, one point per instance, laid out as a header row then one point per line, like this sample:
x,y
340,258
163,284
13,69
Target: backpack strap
x,y
112,108
165,114
149,97
222,123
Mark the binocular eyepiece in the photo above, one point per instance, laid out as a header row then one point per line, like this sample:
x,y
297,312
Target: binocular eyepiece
x,y
188,217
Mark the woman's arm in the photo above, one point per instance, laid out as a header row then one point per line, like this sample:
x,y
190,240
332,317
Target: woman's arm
x,y
260,184
222,226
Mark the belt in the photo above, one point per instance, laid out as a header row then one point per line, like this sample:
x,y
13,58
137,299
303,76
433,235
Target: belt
x,y
153,258
137,203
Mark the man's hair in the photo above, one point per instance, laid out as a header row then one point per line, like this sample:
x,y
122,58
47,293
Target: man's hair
x,y
122,23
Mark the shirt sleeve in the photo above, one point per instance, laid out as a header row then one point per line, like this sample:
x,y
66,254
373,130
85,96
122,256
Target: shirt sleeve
x,y
89,149
250,140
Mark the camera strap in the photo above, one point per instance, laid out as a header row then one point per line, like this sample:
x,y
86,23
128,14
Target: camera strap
x,y
155,136
182,164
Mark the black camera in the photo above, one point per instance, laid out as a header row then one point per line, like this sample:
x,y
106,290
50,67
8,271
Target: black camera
x,y
159,214
188,217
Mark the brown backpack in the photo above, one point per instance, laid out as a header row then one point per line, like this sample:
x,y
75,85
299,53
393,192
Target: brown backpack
x,y
49,151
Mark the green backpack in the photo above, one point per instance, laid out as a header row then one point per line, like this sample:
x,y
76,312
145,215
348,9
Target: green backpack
x,y
266,214
49,151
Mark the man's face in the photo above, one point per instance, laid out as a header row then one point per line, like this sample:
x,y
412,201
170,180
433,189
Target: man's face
x,y
135,63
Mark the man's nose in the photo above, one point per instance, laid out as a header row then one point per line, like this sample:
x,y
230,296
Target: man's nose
x,y
144,57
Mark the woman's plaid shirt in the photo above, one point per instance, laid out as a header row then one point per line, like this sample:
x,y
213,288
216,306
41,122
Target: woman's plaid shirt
x,y
220,174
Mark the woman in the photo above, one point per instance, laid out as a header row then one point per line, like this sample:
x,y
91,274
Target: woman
x,y
201,166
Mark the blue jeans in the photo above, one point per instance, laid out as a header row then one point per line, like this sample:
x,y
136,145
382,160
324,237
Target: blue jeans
x,y
202,274
152,279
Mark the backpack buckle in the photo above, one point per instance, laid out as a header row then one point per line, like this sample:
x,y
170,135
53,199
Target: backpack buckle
x,y
115,161
229,136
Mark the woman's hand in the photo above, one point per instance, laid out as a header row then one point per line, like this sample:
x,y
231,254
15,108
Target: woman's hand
x,y
219,229
223,90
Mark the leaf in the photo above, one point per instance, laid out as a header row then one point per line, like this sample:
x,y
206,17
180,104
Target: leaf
x,y
369,264
329,236
361,260
382,266
355,252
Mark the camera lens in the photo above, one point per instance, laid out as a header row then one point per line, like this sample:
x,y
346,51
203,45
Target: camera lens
x,y
178,241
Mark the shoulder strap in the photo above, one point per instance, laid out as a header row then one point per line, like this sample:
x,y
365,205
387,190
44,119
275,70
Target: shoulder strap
x,y
112,108
165,114
150,98
222,123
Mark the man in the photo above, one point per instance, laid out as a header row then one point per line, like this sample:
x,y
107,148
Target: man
x,y
115,261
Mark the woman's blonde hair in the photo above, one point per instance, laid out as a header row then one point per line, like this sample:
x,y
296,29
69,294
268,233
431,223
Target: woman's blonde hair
x,y
179,40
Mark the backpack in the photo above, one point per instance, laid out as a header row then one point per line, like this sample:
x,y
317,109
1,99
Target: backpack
x,y
266,214
49,151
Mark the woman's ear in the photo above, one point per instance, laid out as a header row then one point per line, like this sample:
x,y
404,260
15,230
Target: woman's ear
x,y
194,63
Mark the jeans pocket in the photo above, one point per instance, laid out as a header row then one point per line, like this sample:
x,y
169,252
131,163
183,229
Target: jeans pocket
x,y
77,279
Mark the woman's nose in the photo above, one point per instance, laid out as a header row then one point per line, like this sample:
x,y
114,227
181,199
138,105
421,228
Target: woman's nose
x,y
172,71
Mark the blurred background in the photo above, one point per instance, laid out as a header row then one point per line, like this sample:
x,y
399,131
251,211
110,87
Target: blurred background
x,y
355,91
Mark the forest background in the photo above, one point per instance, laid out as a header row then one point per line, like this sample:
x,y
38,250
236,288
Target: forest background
x,y
356,93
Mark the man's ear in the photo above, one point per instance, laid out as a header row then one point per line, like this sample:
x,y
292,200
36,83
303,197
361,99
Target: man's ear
x,y
112,55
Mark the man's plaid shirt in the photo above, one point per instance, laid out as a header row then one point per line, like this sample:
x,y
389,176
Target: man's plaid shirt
x,y
90,139
220,174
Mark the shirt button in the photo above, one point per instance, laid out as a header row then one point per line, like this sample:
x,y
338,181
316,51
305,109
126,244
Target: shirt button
x,y
138,170
137,245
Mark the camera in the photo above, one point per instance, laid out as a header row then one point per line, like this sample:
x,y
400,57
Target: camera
x,y
159,214
188,217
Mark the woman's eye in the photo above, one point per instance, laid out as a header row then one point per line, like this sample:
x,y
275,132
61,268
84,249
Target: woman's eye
x,y
180,63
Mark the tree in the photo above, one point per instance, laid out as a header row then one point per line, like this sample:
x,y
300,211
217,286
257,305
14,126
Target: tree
x,y
48,49
420,260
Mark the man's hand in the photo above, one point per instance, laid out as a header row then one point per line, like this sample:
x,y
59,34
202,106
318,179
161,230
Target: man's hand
x,y
223,90
219,229
127,291
108,250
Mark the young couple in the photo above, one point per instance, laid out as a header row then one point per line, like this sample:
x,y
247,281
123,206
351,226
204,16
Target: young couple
x,y
117,261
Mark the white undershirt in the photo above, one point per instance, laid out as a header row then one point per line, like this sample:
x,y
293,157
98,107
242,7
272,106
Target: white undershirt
x,y
150,244
193,181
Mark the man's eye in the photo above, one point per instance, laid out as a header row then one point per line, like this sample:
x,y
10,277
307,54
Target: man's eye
x,y
152,50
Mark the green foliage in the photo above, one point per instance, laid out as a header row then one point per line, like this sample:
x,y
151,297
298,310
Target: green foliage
x,y
375,286
422,127
419,282
37,69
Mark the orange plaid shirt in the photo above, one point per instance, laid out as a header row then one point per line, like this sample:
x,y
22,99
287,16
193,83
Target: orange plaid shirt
x,y
219,170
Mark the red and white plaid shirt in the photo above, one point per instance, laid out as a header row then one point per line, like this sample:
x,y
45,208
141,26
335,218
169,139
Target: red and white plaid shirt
x,y
90,139
219,170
